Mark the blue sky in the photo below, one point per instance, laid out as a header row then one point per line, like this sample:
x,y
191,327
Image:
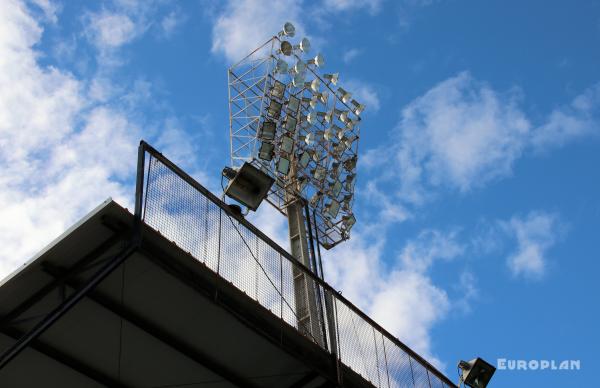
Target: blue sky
x,y
478,196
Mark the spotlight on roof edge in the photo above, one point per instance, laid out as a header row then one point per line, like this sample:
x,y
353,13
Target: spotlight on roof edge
x,y
299,127
476,373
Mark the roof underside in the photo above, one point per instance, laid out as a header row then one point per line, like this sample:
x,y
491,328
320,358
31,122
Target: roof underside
x,y
162,319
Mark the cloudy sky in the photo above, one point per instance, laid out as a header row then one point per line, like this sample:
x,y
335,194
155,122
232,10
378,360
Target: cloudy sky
x,y
478,196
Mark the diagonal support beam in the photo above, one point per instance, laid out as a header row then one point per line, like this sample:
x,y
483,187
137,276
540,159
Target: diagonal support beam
x,y
6,320
156,332
66,306
66,360
304,380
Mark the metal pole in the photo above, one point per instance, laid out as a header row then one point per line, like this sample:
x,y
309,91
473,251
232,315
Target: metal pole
x,y
327,295
304,287
318,290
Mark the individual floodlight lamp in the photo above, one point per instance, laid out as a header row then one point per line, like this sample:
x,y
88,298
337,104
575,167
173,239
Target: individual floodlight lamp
x,y
267,130
313,85
304,159
350,163
344,95
332,78
278,89
318,60
358,107
325,116
348,221
285,48
266,151
299,67
309,139
312,117
319,173
350,123
333,208
248,185
476,373
330,133
283,165
281,67
334,170
293,104
298,80
274,109
288,30
303,46
323,97
287,144
349,140
336,188
310,101
344,116
290,123
349,181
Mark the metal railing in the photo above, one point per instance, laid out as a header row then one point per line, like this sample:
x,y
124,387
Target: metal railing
x,y
173,203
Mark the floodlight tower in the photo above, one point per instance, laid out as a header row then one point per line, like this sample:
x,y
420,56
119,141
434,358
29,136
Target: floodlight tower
x,y
300,128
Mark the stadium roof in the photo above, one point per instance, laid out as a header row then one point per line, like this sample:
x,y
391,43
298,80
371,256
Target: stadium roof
x,y
161,319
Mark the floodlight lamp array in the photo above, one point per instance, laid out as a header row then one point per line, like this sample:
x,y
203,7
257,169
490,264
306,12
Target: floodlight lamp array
x,y
300,127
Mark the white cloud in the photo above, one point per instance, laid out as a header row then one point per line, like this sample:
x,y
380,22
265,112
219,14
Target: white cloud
x,y
372,6
400,296
566,123
462,134
49,8
171,22
62,150
245,24
111,30
363,93
351,54
535,235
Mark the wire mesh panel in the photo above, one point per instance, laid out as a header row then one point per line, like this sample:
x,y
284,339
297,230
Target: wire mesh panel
x,y
187,214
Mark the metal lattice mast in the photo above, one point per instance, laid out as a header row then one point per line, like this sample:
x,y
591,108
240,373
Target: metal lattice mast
x,y
301,129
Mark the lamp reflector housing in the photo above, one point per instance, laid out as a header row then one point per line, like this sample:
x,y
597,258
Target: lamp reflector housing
x,y
304,159
286,48
293,105
274,109
281,67
287,144
278,89
288,30
332,78
476,373
249,186
283,166
333,208
318,60
266,151
304,45
267,130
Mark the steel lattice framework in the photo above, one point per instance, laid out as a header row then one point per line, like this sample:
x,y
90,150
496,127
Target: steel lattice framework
x,y
299,127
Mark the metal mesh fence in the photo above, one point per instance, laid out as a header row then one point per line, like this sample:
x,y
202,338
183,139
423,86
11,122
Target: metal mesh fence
x,y
197,222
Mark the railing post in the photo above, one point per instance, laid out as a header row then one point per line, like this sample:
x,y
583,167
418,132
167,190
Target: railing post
x,y
139,181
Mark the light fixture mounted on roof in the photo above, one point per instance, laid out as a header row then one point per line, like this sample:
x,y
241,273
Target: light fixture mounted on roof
x,y
248,185
476,373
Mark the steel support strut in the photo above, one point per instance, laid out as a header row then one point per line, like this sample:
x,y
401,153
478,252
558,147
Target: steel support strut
x,y
64,307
